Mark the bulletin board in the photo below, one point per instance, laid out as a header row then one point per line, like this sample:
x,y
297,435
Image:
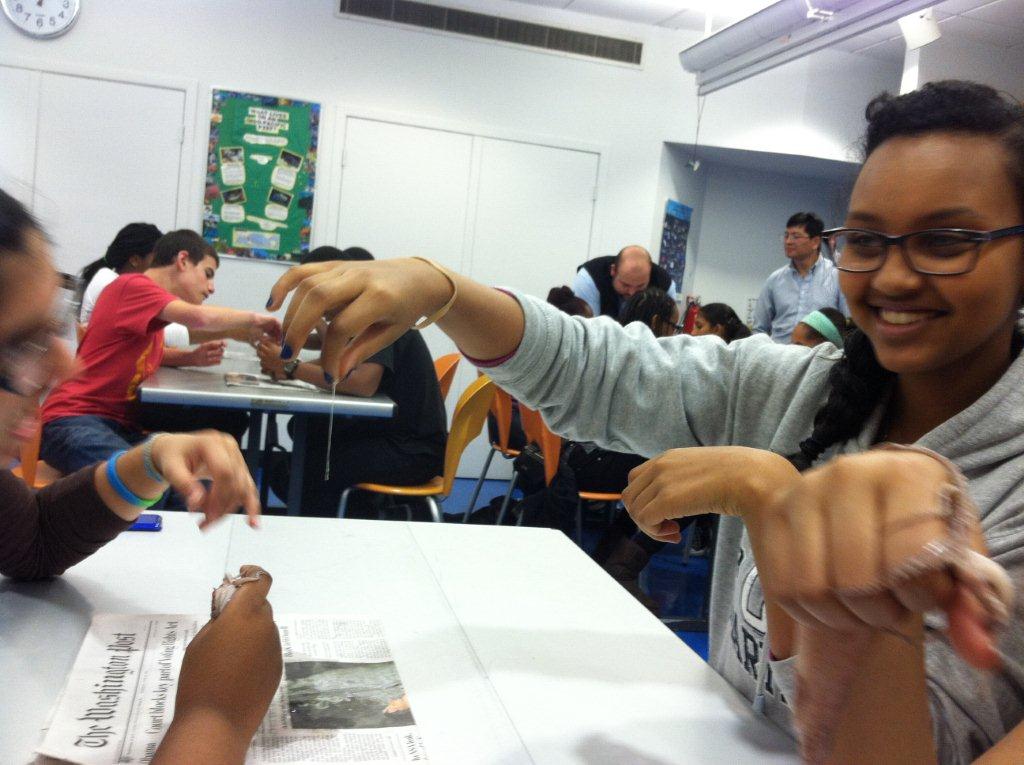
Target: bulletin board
x,y
675,232
260,175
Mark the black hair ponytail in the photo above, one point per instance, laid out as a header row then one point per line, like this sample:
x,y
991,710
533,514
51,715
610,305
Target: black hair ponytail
x,y
133,239
856,386
722,315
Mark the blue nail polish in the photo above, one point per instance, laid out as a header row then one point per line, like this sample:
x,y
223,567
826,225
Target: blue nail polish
x,y
286,351
327,378
269,301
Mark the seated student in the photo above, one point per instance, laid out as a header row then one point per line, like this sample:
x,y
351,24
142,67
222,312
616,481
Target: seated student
x,y
824,325
131,252
96,413
232,667
565,300
406,449
815,562
720,319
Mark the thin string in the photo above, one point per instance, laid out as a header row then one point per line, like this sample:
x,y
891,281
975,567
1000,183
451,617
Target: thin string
x,y
330,432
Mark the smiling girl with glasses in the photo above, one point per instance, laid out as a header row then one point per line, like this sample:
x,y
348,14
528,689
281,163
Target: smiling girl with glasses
x,y
853,551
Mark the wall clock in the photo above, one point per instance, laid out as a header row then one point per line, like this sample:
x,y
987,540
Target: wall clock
x,y
42,18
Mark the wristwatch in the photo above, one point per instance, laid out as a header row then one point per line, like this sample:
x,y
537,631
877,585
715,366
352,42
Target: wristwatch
x,y
290,367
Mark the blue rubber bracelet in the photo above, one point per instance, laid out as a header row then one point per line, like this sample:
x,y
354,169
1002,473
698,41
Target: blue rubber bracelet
x,y
123,491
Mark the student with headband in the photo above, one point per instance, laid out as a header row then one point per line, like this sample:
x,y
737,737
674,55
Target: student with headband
x,y
824,325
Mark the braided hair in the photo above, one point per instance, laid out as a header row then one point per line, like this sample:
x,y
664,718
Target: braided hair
x,y
722,315
651,306
858,381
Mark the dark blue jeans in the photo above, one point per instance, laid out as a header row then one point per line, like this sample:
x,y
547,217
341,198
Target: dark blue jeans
x,y
72,443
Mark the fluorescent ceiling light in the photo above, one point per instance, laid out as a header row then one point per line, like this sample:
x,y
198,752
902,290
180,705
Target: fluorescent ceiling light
x,y
783,32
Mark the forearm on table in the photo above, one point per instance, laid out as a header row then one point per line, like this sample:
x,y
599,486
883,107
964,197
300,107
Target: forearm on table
x,y
485,323
202,737
176,357
197,336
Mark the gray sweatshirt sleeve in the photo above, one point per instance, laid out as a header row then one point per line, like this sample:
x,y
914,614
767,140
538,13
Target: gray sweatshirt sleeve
x,y
594,380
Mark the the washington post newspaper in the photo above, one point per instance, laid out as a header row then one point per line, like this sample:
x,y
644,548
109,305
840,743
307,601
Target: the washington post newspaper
x,y
340,700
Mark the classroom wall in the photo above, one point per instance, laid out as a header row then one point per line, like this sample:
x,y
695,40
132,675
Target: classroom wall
x,y
678,181
952,57
625,114
351,64
745,213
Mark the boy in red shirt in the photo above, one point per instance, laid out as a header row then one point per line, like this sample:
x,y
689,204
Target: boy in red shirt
x,y
93,415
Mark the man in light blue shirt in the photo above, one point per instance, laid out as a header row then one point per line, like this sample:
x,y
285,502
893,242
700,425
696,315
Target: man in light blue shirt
x,y
808,282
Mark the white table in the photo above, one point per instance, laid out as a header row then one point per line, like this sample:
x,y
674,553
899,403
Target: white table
x,y
206,387
514,646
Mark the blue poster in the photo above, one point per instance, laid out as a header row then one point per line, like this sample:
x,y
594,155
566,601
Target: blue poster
x,y
674,233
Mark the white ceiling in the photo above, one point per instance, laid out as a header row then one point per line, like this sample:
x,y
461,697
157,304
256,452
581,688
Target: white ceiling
x,y
999,23
672,14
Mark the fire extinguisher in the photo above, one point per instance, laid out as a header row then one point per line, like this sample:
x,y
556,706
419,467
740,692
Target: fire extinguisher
x,y
690,314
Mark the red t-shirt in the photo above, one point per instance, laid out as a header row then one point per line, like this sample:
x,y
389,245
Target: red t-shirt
x,y
123,345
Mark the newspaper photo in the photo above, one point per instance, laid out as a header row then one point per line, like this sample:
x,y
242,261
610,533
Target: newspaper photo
x,y
340,700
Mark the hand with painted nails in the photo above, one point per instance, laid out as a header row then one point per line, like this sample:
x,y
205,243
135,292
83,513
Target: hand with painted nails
x,y
370,304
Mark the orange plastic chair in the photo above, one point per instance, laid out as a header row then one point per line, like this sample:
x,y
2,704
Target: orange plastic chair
x,y
501,408
445,368
467,422
551,447
32,470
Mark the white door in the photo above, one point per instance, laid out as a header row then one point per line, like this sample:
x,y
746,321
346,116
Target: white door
x,y
109,153
19,98
534,214
404,191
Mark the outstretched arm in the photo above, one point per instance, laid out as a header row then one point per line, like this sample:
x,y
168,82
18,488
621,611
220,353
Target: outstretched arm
x,y
217,319
374,304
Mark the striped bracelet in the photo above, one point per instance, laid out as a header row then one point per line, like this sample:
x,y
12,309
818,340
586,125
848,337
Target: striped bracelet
x,y
147,459
123,491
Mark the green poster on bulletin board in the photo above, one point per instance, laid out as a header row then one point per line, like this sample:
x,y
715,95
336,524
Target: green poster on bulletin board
x,y
260,175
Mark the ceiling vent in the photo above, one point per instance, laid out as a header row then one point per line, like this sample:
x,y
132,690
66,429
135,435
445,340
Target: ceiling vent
x,y
497,28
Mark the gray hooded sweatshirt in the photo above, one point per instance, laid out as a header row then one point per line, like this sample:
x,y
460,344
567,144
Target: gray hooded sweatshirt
x,y
594,380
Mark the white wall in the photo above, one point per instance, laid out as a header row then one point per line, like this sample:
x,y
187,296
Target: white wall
x,y
813,106
953,58
624,113
301,49
743,217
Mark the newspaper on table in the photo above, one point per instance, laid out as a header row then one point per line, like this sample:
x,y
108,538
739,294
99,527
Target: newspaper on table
x,y
246,380
340,699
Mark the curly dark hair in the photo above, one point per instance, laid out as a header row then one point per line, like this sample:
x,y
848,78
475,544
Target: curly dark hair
x,y
858,381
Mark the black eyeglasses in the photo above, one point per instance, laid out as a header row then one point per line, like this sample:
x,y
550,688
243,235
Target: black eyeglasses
x,y
934,251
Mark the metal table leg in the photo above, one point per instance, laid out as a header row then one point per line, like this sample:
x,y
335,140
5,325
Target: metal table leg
x,y
252,448
298,463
